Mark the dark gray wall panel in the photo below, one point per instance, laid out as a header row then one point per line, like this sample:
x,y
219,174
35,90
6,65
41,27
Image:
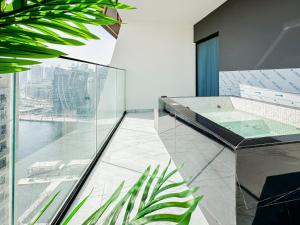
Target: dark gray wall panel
x,y
255,34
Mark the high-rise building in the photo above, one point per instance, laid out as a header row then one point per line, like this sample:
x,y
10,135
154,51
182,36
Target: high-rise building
x,y
36,74
49,73
70,90
4,150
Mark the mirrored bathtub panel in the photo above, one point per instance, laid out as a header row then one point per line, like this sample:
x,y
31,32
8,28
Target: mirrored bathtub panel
x,y
207,164
243,154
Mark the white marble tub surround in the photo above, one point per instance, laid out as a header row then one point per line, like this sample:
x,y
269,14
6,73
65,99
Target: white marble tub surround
x,y
281,113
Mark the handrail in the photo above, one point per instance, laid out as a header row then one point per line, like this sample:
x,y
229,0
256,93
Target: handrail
x,y
84,61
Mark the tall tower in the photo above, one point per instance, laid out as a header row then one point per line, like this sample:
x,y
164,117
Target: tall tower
x,y
4,148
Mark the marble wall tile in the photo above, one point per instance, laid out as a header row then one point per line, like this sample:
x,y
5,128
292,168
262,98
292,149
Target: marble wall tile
x,y
280,86
278,113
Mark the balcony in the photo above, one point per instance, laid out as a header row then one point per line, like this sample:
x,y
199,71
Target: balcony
x,y
208,88
72,136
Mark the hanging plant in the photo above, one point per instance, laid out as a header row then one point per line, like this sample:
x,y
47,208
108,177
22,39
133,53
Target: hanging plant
x,y
27,26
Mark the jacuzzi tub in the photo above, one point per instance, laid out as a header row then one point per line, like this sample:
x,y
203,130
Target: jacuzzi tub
x,y
243,154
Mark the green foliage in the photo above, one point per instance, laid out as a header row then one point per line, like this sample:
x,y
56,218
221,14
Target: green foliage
x,y
27,26
153,199
48,204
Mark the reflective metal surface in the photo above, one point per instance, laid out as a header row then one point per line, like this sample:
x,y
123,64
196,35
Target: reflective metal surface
x,y
254,181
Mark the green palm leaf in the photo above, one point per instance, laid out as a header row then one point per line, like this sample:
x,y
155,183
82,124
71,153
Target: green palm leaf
x,y
2,5
149,206
9,65
14,62
20,35
75,210
113,216
93,219
26,24
148,186
48,204
155,202
12,69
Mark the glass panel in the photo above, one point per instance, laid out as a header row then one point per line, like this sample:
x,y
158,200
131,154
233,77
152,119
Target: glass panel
x,y
64,111
4,147
106,99
120,93
56,134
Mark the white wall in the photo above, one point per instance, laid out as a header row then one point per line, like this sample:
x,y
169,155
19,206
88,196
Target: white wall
x,y
160,60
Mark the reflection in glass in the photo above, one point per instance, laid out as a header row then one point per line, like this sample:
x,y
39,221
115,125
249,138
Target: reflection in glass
x,y
4,148
65,109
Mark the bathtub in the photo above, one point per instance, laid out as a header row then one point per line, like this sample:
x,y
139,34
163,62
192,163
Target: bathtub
x,y
243,154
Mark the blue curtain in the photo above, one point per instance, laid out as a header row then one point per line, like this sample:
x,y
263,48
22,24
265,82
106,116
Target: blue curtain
x,y
208,67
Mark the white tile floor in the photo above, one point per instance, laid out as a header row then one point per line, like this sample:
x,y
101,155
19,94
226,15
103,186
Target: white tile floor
x,y
134,146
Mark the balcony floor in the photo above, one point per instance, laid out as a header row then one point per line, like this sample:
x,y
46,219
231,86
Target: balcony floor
x,y
134,146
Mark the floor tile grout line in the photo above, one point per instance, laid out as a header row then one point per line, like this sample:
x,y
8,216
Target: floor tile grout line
x,y
122,167
140,143
172,128
132,170
212,215
133,145
141,131
216,178
207,165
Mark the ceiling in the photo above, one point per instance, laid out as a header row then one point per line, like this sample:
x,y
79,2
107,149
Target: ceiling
x,y
169,11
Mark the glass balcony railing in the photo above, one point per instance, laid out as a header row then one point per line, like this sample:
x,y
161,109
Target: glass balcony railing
x,y
55,119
